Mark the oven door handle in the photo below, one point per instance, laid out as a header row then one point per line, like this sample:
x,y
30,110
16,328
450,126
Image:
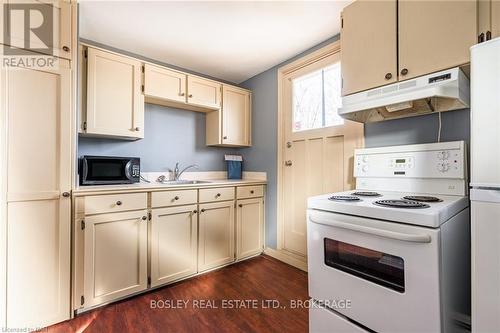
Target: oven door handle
x,y
413,238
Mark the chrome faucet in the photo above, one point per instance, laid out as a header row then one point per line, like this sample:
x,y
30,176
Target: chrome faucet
x,y
177,174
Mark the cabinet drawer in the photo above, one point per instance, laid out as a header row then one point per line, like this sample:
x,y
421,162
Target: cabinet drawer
x,y
216,194
243,192
173,198
96,204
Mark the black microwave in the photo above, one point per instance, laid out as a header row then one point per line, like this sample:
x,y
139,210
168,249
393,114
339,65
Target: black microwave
x,y
107,170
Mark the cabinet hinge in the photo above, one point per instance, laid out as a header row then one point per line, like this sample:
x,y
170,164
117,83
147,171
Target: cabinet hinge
x,y
82,224
341,23
82,300
84,125
149,280
150,216
85,53
142,88
143,68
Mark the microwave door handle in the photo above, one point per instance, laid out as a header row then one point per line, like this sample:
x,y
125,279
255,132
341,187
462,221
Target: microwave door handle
x,y
85,169
413,238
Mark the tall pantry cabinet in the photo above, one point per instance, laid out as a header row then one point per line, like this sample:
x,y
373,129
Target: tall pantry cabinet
x,y
36,165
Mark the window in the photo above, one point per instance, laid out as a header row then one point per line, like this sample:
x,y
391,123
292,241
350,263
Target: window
x,y
316,99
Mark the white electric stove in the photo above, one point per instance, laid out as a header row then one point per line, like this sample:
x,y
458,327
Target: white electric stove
x,y
396,249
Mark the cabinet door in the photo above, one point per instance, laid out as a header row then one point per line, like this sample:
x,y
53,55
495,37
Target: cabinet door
x,y
204,93
368,45
216,238
235,116
174,243
249,227
495,18
164,84
115,103
435,35
35,106
58,29
115,256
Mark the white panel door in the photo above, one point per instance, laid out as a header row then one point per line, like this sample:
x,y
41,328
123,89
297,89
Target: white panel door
x,y
115,103
249,227
216,235
174,243
115,263
37,109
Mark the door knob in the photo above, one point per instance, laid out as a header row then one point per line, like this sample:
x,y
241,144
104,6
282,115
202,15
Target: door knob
x,y
288,163
404,71
289,144
388,76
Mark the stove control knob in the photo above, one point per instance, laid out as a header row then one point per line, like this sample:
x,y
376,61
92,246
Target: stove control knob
x,y
365,159
365,168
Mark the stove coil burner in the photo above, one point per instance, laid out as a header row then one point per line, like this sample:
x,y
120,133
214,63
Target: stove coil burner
x,y
401,204
366,194
343,198
422,198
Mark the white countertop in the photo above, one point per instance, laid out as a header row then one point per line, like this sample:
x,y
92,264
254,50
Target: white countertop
x,y
147,187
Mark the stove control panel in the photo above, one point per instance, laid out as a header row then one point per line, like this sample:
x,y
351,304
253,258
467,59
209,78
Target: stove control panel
x,y
445,161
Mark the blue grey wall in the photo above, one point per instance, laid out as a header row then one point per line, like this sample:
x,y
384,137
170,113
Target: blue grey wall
x,y
170,135
262,155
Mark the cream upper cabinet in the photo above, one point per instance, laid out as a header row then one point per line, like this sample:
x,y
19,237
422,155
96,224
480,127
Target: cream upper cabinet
x,y
434,35
368,45
35,108
203,92
115,256
249,227
495,19
174,243
216,234
236,116
59,44
164,84
232,125
488,19
115,103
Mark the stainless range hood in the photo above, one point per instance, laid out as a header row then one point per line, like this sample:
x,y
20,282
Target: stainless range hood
x,y
443,91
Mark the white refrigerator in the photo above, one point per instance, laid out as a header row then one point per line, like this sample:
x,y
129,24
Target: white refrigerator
x,y
485,186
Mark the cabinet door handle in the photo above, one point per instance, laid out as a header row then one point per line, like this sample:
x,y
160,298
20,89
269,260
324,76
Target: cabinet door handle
x,y
240,205
202,210
225,137
252,192
288,163
66,194
190,95
65,48
137,129
480,38
217,195
176,198
404,71
488,35
195,211
388,76
118,203
182,94
144,218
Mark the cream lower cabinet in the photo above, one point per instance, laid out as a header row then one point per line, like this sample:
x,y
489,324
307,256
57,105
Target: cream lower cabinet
x,y
216,234
35,160
249,227
115,256
174,243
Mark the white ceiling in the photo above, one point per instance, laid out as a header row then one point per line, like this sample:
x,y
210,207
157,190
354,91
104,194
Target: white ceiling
x,y
232,41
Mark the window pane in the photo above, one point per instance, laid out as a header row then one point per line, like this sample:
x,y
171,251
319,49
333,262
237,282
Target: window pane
x,y
316,99
333,100
307,102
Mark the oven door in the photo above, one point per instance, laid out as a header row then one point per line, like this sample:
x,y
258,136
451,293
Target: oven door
x,y
387,272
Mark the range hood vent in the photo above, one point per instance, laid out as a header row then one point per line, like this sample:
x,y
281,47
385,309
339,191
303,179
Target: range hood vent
x,y
443,91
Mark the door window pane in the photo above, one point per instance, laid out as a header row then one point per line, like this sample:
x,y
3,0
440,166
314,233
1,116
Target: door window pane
x,y
381,268
316,99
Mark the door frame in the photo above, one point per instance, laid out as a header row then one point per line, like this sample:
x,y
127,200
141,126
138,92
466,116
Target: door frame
x,y
311,58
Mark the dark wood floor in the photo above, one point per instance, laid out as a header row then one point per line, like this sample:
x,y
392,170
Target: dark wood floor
x,y
254,281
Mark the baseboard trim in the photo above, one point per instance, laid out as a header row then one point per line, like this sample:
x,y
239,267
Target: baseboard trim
x,y
286,258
